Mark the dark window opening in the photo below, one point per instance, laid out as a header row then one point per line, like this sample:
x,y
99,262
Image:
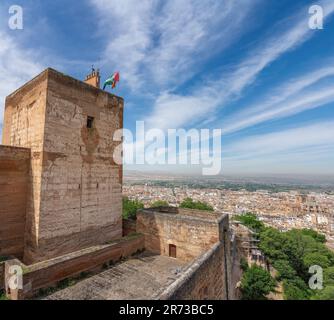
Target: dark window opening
x,y
90,122
172,251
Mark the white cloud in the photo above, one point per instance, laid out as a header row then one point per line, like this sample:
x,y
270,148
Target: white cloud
x,y
174,111
202,103
312,135
160,42
295,104
128,25
305,149
17,65
288,89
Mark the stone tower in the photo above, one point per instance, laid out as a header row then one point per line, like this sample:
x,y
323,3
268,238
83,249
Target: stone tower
x,y
75,198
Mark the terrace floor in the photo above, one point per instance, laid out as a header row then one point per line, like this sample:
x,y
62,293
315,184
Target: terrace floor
x,y
140,277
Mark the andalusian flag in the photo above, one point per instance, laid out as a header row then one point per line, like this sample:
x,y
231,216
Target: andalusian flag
x,y
112,81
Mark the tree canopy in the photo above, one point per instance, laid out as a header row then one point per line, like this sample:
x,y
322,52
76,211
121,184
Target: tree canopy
x,y
159,203
251,221
191,204
130,208
292,253
256,283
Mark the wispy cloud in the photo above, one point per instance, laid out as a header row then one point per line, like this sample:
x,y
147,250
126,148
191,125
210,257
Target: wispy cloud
x,y
157,41
280,151
290,88
288,107
318,134
17,65
218,93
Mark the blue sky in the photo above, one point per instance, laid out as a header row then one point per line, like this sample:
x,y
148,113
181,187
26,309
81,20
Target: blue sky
x,y
250,67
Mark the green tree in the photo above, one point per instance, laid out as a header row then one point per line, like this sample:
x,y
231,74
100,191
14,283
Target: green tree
x,y
285,271
316,258
326,294
296,289
292,253
257,283
314,234
251,221
329,276
271,244
159,203
130,208
191,204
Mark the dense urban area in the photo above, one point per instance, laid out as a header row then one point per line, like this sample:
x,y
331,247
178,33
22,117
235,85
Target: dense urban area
x,y
279,206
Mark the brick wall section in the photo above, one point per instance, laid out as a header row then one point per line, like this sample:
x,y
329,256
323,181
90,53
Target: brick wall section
x,y
203,280
75,199
192,232
48,273
14,178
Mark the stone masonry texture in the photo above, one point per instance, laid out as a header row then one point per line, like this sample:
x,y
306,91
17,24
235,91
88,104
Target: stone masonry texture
x,y
75,187
14,170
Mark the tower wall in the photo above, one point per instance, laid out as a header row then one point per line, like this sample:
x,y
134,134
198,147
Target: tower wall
x,y
14,169
76,198
24,122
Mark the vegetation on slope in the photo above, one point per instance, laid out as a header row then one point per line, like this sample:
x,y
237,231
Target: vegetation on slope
x,y
159,203
256,283
292,253
191,204
130,208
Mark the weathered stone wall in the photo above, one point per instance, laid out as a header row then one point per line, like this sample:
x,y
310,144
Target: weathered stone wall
x,y
129,227
191,231
75,198
204,279
24,127
2,275
14,178
236,271
47,273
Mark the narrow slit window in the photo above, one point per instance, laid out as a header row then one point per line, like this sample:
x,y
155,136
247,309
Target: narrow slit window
x,y
90,122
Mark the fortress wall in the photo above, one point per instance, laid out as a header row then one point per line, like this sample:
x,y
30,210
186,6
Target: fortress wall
x,y
48,273
24,121
14,178
2,275
190,234
203,280
129,227
80,200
